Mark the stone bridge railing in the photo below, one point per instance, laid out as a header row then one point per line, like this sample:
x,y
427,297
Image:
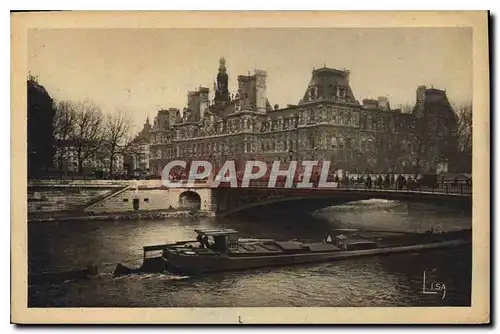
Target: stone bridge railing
x,y
445,189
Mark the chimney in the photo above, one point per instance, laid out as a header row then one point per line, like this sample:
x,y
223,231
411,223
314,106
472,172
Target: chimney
x,y
420,102
260,87
383,103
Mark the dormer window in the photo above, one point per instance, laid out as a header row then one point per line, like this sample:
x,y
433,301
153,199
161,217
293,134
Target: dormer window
x,y
312,93
331,90
342,93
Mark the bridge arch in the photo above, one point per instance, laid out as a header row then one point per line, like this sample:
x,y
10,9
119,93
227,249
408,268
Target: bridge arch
x,y
189,200
294,197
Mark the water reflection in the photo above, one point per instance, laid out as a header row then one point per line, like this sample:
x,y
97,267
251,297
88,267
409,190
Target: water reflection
x,y
396,216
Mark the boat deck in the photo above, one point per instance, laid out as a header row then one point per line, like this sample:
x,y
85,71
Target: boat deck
x,y
264,248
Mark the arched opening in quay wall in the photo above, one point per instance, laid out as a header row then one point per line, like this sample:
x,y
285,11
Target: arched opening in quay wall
x,y
189,200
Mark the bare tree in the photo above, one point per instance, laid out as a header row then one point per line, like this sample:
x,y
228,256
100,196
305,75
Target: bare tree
x,y
64,123
117,128
88,131
421,142
464,128
130,148
129,145
464,136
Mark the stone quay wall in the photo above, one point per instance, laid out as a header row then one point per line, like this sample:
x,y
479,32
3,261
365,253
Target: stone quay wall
x,y
110,196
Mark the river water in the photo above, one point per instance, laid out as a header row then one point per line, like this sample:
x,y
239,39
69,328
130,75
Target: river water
x,y
393,280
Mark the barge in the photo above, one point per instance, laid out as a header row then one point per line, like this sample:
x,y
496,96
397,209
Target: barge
x,y
216,250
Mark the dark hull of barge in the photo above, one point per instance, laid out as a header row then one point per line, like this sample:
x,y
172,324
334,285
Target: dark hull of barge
x,y
180,258
198,264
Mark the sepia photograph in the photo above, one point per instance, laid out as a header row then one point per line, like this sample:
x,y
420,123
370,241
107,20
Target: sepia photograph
x,y
274,165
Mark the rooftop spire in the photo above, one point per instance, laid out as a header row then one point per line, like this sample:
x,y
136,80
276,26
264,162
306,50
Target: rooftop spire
x,y
222,65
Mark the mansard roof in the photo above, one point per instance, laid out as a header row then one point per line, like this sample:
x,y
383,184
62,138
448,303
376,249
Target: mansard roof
x,y
324,85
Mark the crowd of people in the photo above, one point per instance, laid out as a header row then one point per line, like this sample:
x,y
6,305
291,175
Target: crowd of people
x,y
390,181
401,182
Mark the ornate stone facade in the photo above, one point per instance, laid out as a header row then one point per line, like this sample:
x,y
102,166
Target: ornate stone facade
x,y
327,124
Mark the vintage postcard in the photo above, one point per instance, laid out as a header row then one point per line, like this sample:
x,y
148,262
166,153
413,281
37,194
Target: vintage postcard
x,y
250,167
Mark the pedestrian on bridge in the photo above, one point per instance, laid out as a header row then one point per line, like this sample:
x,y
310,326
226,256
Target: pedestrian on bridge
x,y
368,182
379,181
387,182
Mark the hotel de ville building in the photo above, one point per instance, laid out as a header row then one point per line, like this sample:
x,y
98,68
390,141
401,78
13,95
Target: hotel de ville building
x,y
328,123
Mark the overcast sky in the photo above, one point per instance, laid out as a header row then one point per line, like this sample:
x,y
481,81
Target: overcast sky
x,y
143,70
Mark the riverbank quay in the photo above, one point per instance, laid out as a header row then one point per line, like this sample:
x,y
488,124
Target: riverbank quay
x,y
103,197
113,216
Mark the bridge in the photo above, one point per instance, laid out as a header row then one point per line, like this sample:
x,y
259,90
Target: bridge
x,y
124,196
227,201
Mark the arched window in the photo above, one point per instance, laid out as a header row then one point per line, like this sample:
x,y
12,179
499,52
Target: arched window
x,y
341,142
334,142
348,118
269,126
348,143
312,117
